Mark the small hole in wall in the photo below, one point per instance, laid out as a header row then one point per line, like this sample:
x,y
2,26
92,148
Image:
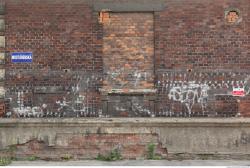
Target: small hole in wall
x,y
232,16
189,70
66,70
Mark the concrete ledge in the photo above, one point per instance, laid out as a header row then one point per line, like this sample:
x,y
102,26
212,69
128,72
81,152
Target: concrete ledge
x,y
127,122
229,136
127,91
129,6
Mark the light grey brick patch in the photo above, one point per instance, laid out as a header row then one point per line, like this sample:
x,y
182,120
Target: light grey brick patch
x,y
2,74
2,41
2,92
2,54
2,25
2,58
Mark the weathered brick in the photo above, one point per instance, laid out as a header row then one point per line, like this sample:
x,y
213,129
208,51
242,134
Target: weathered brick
x,y
2,92
2,25
2,74
88,146
182,60
2,41
2,58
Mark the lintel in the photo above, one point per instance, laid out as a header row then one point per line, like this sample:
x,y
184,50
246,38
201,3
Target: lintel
x,y
129,6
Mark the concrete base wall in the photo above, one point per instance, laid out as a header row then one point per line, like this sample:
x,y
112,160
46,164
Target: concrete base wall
x,y
57,137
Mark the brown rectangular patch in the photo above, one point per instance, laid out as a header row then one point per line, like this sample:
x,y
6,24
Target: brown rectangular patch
x,y
128,51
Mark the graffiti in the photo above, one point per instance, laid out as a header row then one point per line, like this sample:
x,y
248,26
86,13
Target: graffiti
x,y
137,76
22,111
246,85
178,94
189,94
80,103
74,100
124,77
77,106
135,107
139,109
29,112
219,81
121,109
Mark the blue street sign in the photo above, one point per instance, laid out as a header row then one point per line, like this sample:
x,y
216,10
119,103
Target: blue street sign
x,y
21,57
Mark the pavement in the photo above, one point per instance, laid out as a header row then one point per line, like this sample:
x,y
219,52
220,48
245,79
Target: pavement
x,y
134,163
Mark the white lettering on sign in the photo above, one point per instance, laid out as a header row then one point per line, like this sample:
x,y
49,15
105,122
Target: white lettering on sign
x,y
22,57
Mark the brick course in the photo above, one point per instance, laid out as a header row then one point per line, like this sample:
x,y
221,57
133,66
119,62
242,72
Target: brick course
x,y
194,61
76,146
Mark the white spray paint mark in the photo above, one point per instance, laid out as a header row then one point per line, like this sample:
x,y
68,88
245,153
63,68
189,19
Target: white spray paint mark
x,y
137,76
189,94
137,107
28,111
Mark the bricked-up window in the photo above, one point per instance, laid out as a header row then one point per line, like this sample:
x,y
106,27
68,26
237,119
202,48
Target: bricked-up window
x,y
128,51
233,16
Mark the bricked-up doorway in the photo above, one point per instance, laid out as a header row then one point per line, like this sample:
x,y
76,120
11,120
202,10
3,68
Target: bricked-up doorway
x,y
128,52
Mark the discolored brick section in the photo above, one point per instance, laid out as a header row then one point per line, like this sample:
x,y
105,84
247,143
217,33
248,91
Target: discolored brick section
x,y
89,146
128,51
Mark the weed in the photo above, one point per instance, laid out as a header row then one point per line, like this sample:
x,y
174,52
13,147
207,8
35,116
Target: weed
x,y
12,158
32,158
112,156
5,161
205,156
151,152
66,157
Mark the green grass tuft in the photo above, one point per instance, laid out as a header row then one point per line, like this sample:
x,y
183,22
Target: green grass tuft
x,y
4,161
151,153
112,156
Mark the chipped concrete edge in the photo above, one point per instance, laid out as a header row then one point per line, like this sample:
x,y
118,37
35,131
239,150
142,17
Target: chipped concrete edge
x,y
146,122
177,135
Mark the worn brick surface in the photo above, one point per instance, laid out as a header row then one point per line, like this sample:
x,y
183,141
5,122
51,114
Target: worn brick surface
x,y
188,52
88,146
128,50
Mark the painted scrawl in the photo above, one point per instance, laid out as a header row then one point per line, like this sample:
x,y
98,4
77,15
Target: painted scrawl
x,y
74,100
22,111
189,94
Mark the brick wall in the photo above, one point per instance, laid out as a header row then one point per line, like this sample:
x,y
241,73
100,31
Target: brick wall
x,y
89,146
63,79
128,51
194,62
200,58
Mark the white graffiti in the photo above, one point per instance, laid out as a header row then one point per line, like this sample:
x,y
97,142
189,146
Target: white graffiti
x,y
189,94
246,85
136,107
121,109
77,106
23,111
136,77
28,111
